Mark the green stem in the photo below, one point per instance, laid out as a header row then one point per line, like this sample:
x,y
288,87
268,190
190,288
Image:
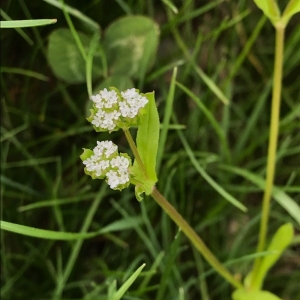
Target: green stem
x,y
194,238
135,151
73,30
180,221
271,160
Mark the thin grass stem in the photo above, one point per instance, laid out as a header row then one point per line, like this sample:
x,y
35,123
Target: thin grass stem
x,y
181,222
194,238
273,139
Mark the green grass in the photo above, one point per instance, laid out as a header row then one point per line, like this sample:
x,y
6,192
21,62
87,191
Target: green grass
x,y
223,50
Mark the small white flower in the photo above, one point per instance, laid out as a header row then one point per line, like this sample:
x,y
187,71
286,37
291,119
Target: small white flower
x,y
107,147
113,110
112,179
105,161
121,162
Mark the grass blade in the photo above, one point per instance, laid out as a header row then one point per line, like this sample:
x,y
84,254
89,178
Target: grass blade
x,y
126,285
208,179
280,196
26,23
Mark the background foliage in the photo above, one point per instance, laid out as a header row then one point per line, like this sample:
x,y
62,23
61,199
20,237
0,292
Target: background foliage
x,y
223,51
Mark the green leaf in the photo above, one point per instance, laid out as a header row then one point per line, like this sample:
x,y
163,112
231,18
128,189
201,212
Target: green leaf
x,y
243,294
86,21
86,154
118,225
269,8
147,144
93,48
280,241
207,177
126,285
139,188
280,196
171,6
26,23
167,119
112,288
122,224
131,43
65,58
24,72
291,9
148,136
44,234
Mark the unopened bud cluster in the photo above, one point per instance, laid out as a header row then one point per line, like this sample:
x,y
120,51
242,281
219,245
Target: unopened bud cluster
x,y
104,162
113,109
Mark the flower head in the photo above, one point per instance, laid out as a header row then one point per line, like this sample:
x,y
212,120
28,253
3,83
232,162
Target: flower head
x,y
113,109
104,162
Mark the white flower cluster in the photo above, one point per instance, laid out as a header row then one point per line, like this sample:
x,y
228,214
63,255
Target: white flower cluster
x,y
106,162
113,110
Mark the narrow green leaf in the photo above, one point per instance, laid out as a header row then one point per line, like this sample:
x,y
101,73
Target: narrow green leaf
x,y
206,176
243,294
112,288
208,114
166,120
147,145
118,225
211,84
152,271
24,72
122,224
171,6
280,241
19,186
269,8
44,234
280,196
75,13
22,33
26,23
291,9
126,285
93,47
170,261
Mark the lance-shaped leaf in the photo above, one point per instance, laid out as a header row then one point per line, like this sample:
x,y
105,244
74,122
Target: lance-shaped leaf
x,y
280,241
126,285
147,144
243,294
269,8
291,9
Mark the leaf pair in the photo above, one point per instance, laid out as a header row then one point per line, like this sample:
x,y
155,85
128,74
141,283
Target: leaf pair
x,y
271,10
